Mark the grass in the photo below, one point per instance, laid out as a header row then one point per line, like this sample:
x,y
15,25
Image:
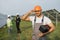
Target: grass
x,y
26,34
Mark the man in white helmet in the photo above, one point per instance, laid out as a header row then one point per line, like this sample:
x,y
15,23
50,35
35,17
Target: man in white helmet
x,y
9,23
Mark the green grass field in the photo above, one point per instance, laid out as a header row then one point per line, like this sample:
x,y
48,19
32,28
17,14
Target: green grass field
x,y
26,34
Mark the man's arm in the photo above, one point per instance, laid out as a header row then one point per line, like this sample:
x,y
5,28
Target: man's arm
x,y
52,27
26,16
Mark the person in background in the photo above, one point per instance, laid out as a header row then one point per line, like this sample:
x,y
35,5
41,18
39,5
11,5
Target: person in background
x,y
9,24
18,20
37,21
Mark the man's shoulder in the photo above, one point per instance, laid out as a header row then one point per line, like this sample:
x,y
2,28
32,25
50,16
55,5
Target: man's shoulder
x,y
46,17
31,16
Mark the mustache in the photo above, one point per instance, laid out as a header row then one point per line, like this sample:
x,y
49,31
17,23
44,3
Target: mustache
x,y
38,15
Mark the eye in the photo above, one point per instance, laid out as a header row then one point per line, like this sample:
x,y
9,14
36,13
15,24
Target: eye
x,y
37,11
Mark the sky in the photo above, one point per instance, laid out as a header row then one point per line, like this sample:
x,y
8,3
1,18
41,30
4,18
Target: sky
x,y
12,7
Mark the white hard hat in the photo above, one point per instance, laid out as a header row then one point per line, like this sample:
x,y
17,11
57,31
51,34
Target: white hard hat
x,y
8,15
17,13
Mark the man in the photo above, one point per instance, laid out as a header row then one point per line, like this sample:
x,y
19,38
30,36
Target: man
x,y
18,20
9,24
37,21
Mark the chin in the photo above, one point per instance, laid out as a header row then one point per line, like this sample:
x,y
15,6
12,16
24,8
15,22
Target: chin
x,y
37,15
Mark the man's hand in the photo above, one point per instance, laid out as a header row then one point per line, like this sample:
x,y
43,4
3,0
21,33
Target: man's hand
x,y
41,34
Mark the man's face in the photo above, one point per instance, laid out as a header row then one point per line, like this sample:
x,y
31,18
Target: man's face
x,y
38,12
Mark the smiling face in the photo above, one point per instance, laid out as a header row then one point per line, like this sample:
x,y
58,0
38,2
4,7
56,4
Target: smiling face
x,y
37,10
